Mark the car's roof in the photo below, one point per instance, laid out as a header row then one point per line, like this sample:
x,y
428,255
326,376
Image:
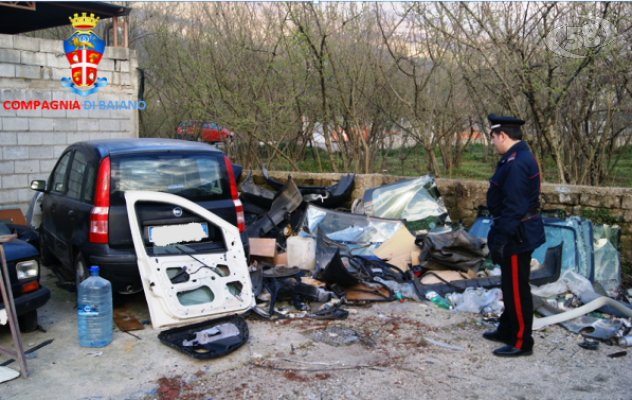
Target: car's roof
x,y
141,145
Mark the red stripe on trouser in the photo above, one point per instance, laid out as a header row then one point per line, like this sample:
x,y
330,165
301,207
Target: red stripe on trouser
x,y
516,293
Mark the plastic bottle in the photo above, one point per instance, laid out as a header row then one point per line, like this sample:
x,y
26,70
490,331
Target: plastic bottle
x,y
438,300
94,311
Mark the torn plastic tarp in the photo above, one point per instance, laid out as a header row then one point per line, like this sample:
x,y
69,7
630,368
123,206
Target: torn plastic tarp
x,y
329,197
416,200
454,250
288,200
594,328
361,234
208,339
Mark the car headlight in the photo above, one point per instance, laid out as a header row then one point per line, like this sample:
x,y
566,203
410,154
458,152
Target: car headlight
x,y
27,269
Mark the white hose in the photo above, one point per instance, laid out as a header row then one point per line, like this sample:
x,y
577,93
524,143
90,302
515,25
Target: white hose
x,y
578,312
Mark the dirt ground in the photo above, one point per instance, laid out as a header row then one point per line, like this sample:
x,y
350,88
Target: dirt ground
x,y
280,362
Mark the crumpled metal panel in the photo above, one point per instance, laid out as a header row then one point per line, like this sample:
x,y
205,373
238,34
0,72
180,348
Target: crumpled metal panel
x,y
361,234
416,200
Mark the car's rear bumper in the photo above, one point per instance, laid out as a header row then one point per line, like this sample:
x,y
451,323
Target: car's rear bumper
x,y
30,301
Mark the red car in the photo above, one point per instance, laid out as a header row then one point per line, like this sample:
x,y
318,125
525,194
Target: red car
x,y
203,131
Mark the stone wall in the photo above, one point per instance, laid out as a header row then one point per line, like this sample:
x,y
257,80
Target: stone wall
x,y
31,140
601,204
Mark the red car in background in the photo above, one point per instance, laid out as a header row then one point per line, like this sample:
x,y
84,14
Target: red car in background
x,y
204,132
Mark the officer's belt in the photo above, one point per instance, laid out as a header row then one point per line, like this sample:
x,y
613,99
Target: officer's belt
x,y
530,214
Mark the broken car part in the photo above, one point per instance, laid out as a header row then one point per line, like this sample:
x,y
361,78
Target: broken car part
x,y
328,197
547,273
208,340
288,200
594,328
415,200
455,250
589,344
255,194
578,312
361,234
204,294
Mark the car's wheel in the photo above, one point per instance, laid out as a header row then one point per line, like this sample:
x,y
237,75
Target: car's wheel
x,y
46,256
28,321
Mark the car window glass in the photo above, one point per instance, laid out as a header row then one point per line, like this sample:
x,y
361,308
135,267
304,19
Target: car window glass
x,y
213,125
190,123
197,177
60,173
75,179
205,125
88,193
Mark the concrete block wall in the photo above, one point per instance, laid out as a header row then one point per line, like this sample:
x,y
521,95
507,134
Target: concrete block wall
x,y
463,198
31,140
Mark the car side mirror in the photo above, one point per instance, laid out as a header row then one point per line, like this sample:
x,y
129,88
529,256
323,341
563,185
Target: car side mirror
x,y
39,186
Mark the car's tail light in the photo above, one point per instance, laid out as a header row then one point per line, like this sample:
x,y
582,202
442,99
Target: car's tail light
x,y
29,287
101,209
239,208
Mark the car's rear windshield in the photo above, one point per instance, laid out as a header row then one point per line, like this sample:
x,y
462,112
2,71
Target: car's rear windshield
x,y
195,176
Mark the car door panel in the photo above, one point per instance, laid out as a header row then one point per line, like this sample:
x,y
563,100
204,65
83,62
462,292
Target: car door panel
x,y
57,206
215,285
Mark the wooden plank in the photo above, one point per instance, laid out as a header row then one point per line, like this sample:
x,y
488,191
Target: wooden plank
x,y
125,320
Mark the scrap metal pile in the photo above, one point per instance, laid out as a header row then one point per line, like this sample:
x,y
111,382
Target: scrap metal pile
x,y
310,258
397,242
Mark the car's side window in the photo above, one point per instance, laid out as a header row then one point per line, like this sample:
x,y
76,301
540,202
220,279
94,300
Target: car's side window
x,y
190,124
205,126
88,193
59,174
77,171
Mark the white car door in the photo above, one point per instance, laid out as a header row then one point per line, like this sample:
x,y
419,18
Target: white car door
x,y
184,289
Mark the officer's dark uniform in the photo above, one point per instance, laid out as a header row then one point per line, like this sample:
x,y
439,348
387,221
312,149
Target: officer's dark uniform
x,y
513,201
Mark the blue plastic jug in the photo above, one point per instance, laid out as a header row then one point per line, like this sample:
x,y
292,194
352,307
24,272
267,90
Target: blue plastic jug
x,y
94,311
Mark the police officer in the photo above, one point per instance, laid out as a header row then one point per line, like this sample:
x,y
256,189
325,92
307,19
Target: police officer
x,y
517,229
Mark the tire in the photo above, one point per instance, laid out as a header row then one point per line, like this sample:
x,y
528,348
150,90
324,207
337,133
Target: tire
x,y
28,321
46,256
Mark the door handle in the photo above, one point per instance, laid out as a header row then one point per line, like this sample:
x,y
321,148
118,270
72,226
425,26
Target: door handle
x,y
71,214
53,208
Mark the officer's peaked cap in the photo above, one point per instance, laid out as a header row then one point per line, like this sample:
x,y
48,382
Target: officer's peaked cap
x,y
497,121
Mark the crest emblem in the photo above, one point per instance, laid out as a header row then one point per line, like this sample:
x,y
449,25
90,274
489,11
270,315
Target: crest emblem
x,y
84,49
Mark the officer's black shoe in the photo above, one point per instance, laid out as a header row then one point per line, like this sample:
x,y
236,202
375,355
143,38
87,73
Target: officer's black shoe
x,y
494,337
510,351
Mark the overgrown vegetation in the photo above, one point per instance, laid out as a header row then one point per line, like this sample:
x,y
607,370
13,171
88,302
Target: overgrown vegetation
x,y
402,88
